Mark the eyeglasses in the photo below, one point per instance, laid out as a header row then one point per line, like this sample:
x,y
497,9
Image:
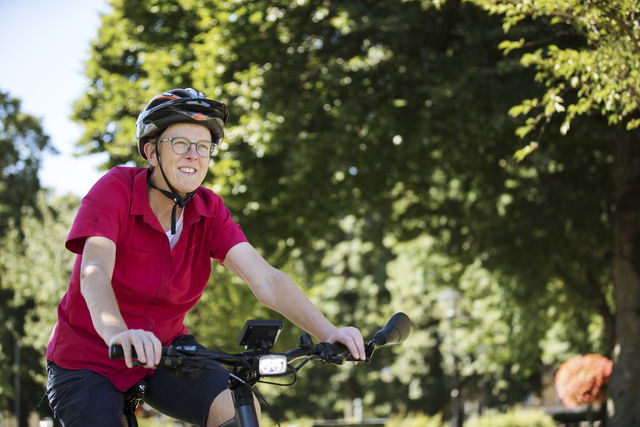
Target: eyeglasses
x,y
181,145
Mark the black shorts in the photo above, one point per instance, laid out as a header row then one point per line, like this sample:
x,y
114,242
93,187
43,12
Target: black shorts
x,y
79,397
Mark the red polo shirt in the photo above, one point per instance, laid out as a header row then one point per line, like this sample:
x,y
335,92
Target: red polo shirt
x,y
154,285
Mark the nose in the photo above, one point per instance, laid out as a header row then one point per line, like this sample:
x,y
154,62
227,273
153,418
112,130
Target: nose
x,y
192,152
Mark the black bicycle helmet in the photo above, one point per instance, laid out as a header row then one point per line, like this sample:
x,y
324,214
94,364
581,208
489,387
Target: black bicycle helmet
x,y
180,106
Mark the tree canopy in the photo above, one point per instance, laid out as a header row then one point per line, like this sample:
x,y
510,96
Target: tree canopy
x,y
22,142
598,76
361,130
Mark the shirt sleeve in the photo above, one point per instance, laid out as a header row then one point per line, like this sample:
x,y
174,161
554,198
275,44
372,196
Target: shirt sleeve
x,y
100,212
227,233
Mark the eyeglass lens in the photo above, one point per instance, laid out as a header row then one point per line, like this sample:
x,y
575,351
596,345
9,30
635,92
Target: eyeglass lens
x,y
183,145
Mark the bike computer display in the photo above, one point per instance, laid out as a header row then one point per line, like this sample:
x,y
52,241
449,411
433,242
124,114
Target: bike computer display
x,y
260,335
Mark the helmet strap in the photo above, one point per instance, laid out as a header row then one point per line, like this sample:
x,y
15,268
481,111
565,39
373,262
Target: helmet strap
x,y
178,200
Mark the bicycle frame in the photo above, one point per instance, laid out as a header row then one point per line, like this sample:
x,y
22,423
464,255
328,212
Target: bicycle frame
x,y
246,415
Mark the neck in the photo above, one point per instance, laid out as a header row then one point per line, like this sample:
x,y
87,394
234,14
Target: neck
x,y
160,204
161,207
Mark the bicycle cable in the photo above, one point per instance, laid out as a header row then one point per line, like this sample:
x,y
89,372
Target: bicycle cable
x,y
295,380
259,395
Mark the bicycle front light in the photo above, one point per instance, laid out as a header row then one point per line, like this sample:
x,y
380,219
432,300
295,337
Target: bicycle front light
x,y
272,364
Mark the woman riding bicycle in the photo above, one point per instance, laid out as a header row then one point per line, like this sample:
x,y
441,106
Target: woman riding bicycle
x,y
144,239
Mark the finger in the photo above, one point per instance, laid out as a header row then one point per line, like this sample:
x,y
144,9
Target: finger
x,y
359,350
362,350
353,349
157,347
152,349
138,344
126,350
358,343
350,343
150,355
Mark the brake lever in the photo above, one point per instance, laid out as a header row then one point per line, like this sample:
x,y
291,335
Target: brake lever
x,y
334,360
368,352
328,356
350,358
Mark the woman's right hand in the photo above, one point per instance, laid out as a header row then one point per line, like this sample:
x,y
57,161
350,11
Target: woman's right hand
x,y
147,346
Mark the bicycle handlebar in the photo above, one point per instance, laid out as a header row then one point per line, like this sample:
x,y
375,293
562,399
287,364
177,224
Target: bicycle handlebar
x,y
324,351
395,331
248,367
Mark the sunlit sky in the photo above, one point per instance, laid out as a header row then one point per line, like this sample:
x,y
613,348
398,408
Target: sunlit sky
x,y
43,46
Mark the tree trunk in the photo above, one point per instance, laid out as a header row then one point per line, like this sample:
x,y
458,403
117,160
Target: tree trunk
x,y
624,387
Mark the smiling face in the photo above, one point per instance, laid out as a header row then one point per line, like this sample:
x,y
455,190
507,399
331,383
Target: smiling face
x,y
185,172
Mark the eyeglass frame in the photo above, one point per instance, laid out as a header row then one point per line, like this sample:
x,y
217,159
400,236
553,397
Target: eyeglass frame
x,y
172,138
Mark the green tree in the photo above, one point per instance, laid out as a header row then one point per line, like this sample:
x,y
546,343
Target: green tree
x,y
599,77
402,125
22,142
360,125
36,268
495,343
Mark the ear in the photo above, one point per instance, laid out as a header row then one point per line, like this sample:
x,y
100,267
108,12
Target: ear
x,y
150,151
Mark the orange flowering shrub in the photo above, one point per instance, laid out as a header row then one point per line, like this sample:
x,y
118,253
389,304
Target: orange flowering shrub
x,y
582,380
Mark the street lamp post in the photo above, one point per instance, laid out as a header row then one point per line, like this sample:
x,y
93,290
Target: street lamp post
x,y
449,298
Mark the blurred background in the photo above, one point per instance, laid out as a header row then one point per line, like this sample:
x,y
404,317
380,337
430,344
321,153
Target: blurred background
x,y
471,163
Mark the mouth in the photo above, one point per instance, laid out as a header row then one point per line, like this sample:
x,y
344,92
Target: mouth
x,y
187,170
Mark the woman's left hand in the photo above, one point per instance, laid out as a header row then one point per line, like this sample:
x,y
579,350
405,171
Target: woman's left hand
x,y
351,338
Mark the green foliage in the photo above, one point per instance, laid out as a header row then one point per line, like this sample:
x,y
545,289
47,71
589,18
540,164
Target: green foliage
x,y
518,417
589,66
35,269
369,154
601,75
415,420
226,304
497,342
268,422
22,142
36,264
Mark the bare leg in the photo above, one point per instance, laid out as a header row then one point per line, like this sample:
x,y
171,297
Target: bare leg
x,y
222,409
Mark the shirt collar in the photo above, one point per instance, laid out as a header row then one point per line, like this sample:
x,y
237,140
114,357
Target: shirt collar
x,y
140,199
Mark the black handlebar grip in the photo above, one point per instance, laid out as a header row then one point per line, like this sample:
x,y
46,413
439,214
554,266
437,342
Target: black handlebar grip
x,y
342,352
394,332
340,349
116,352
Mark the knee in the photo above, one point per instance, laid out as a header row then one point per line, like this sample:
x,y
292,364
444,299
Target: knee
x,y
222,409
